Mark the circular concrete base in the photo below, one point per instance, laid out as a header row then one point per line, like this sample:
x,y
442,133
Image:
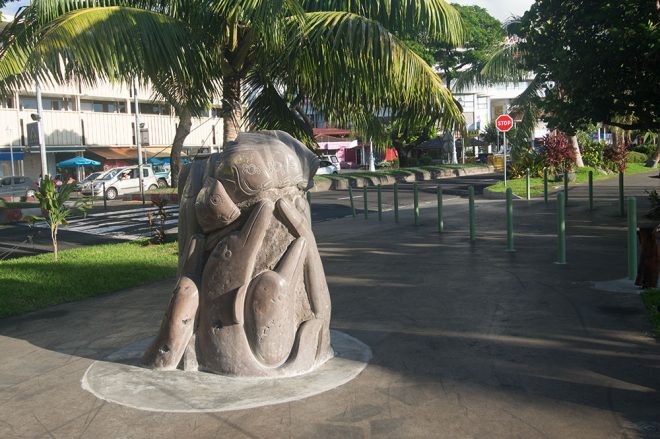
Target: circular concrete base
x,y
618,286
122,381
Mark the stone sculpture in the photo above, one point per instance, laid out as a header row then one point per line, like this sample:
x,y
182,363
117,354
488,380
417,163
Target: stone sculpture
x,y
252,298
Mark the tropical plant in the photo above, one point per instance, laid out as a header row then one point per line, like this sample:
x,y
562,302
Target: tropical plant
x,y
271,59
615,155
592,153
558,154
636,157
53,203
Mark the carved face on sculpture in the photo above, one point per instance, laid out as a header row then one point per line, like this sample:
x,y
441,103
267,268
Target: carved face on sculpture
x,y
257,162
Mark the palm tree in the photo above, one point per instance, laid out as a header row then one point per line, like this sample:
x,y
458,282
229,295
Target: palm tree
x,y
268,56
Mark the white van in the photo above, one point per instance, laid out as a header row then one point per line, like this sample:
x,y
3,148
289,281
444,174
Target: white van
x,y
119,181
332,159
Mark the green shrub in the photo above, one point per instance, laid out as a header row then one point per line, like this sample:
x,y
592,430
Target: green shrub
x,y
395,163
636,157
425,160
384,165
645,148
592,154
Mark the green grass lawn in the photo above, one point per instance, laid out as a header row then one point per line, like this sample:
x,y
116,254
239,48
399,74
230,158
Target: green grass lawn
x,y
651,299
36,282
518,185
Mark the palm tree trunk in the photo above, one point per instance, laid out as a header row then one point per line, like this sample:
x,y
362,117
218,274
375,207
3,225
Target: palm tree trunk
x,y
232,112
578,155
653,161
182,131
53,237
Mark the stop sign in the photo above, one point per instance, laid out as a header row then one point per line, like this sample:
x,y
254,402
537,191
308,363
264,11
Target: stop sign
x,y
504,122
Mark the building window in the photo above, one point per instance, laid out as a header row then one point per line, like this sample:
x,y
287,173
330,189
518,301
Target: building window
x,y
7,103
103,106
49,103
154,108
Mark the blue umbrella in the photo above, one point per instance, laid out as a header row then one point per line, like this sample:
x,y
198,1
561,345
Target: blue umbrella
x,y
77,162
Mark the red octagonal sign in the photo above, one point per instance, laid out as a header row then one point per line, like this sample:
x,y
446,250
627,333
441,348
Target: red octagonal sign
x,y
504,122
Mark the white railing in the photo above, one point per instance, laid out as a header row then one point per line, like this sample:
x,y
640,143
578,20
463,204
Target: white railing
x,y
105,129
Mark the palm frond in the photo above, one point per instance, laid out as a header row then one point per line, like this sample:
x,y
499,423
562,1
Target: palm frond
x,y
437,17
350,64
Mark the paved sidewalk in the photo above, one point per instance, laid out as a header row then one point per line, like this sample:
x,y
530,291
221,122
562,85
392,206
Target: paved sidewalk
x,y
468,341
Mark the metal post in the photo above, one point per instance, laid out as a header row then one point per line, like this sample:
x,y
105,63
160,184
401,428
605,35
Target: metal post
x,y
350,195
504,158
622,211
396,203
138,141
632,238
380,204
591,190
441,225
566,188
545,185
471,213
509,220
366,210
561,229
416,203
105,200
528,186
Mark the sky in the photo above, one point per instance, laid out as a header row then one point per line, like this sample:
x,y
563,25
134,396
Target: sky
x,y
500,9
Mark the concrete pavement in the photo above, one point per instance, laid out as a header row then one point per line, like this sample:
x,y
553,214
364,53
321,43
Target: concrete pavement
x,y
468,341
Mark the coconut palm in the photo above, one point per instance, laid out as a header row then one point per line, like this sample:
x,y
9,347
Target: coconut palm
x,y
268,57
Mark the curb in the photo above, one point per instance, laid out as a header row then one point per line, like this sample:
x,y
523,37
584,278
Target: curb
x,y
15,215
360,182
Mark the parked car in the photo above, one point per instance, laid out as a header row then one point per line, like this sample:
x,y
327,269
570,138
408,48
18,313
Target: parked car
x,y
120,181
20,187
325,168
333,160
163,174
87,181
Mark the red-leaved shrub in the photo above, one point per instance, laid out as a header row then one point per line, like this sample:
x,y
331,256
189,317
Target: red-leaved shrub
x,y
558,153
615,156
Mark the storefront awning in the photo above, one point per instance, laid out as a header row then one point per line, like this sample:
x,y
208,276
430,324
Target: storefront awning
x,y
5,156
129,152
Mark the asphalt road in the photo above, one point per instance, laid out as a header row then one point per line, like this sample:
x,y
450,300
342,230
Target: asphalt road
x,y
128,221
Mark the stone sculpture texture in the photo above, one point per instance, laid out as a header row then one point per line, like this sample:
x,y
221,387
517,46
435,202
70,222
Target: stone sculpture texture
x,y
252,298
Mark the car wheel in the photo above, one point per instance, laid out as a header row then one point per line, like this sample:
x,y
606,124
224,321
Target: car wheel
x,y
162,183
335,172
29,193
153,187
111,194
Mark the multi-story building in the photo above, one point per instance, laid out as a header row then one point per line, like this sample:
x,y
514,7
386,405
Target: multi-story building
x,y
98,122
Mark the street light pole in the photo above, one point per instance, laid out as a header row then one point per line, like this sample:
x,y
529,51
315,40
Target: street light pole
x,y
42,139
372,166
11,151
137,136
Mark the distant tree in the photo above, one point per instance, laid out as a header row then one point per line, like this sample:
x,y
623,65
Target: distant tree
x,y
601,57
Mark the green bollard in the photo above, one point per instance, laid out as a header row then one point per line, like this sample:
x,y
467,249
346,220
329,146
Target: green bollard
x,y
528,186
380,204
441,225
396,203
632,238
350,195
366,204
591,190
565,188
416,203
622,210
561,228
471,213
545,185
509,220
